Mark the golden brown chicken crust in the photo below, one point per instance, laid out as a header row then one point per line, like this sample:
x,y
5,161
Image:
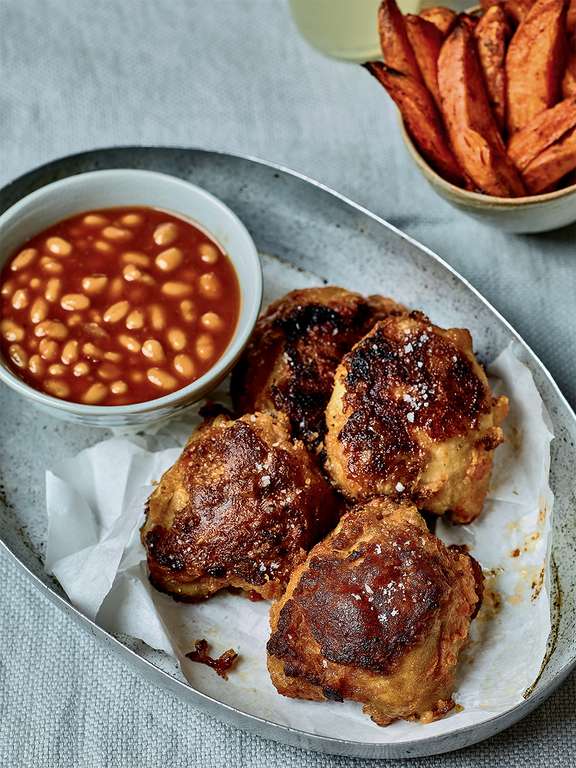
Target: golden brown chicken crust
x,y
297,344
378,613
412,415
240,508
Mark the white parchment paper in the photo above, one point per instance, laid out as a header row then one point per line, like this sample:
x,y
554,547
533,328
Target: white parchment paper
x,y
95,504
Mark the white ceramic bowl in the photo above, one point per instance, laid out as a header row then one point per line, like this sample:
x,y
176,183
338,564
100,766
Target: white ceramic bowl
x,y
116,188
534,213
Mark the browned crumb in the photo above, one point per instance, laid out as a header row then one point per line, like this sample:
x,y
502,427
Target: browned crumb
x,y
221,665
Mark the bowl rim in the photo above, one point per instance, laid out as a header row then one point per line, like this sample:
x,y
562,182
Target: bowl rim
x,y
479,198
183,396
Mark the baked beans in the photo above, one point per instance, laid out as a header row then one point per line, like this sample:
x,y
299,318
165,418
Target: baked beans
x,y
116,306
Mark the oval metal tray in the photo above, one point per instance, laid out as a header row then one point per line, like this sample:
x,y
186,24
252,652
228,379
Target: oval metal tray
x,y
314,228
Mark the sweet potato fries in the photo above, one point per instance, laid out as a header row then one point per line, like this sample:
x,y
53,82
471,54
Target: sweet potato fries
x,y
489,99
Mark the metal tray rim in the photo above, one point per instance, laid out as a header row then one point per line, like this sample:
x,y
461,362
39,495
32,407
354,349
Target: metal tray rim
x,y
281,733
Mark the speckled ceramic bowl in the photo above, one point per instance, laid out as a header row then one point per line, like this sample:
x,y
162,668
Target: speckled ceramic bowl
x,y
536,213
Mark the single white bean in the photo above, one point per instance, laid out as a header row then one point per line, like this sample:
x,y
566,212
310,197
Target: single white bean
x,y
166,233
58,246
57,388
70,352
39,310
177,339
53,288
91,351
11,330
208,253
184,366
118,387
131,273
137,258
108,371
81,369
23,259
132,219
117,234
188,311
204,347
73,320
74,302
152,349
176,289
95,394
129,342
7,288
135,320
51,266
95,220
116,288
18,355
209,285
169,259
95,330
161,379
157,317
116,312
49,350
53,329
36,365
211,321
103,247
93,284
20,299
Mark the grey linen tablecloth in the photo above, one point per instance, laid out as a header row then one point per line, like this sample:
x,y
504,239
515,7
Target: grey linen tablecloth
x,y
234,75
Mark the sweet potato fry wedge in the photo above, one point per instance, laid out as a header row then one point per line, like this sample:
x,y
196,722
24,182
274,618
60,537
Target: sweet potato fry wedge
x,y
442,18
396,49
518,9
545,129
535,62
569,79
492,34
552,164
421,118
471,125
571,18
426,42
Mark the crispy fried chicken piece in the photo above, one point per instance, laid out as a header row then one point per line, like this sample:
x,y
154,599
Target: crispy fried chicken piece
x,y
412,415
240,508
378,614
297,344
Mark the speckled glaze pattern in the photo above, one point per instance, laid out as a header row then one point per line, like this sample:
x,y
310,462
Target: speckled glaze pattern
x,y
313,229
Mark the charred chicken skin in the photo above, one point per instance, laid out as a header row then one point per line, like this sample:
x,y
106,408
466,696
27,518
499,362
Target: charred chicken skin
x,y
378,614
240,508
297,344
412,416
